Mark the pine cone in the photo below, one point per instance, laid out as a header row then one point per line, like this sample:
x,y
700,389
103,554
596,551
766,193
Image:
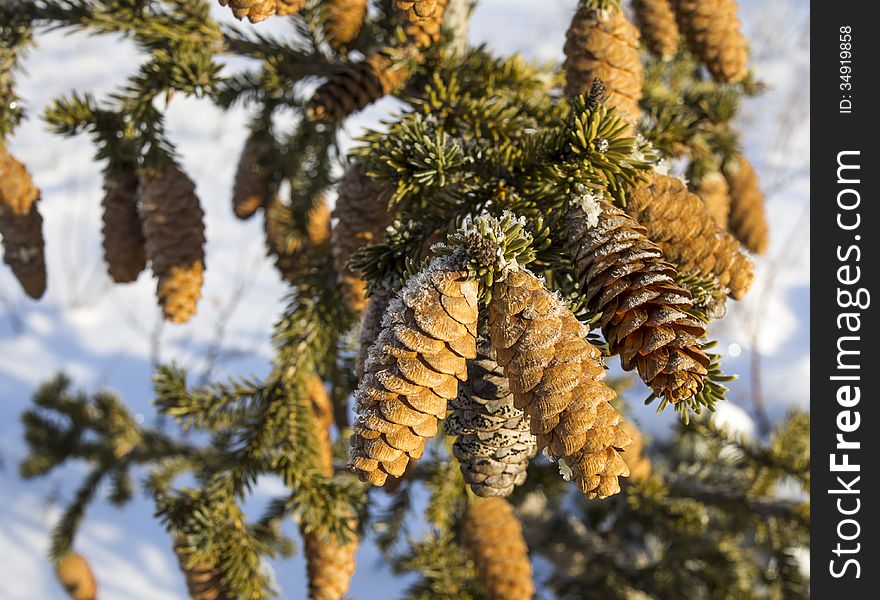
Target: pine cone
x,y
494,443
371,322
715,193
413,369
175,236
204,581
124,251
656,21
75,574
345,18
288,247
677,222
623,276
713,33
747,222
425,32
254,10
17,190
557,379
21,226
635,458
494,540
286,8
252,188
416,10
359,85
604,44
362,217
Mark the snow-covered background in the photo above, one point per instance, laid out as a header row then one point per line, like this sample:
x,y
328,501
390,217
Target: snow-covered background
x,y
110,336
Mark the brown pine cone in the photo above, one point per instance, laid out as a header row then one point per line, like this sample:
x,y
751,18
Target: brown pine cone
x,y
604,44
359,85
713,33
677,221
254,10
17,190
23,248
371,322
416,10
123,238
204,581
748,222
715,194
623,276
286,245
345,18
635,458
75,574
413,369
557,379
361,218
494,540
425,32
656,21
175,239
252,189
286,8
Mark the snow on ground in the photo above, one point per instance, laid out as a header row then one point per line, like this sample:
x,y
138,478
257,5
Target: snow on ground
x,y
110,336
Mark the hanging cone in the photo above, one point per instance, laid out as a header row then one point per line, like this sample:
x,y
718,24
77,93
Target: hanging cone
x,y
345,18
252,188
416,10
175,236
204,581
21,226
747,222
371,322
623,276
288,247
677,222
604,44
635,458
286,8
557,379
713,33
425,31
413,369
17,190
359,85
362,216
715,193
494,540
656,21
494,443
253,10
75,574
123,237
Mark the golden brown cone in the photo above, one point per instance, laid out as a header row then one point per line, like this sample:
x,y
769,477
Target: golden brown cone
x,y
359,85
24,249
174,232
416,10
557,379
361,218
677,222
254,10
345,18
715,193
285,8
493,537
643,310
204,581
123,237
288,247
75,574
252,188
425,31
604,44
712,29
635,458
656,21
748,221
17,190
413,369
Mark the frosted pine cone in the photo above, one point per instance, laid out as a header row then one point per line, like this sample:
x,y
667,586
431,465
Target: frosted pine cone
x,y
747,222
557,379
359,85
123,237
494,540
75,574
604,44
623,276
424,32
713,32
371,323
715,193
677,222
345,18
204,581
416,10
413,369
656,21
252,189
494,443
175,236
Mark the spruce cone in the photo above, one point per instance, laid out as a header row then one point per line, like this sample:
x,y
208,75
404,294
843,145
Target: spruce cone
x,y
557,379
175,238
715,193
204,581
656,21
677,222
494,541
416,10
371,322
713,32
286,245
413,369
75,574
344,21
17,190
362,217
494,443
21,226
361,84
747,222
635,458
604,44
252,188
124,251
254,10
623,276
425,32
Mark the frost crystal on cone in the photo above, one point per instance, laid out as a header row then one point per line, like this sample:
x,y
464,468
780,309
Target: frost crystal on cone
x,y
748,221
75,574
123,236
251,190
656,21
21,226
713,32
413,369
359,85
